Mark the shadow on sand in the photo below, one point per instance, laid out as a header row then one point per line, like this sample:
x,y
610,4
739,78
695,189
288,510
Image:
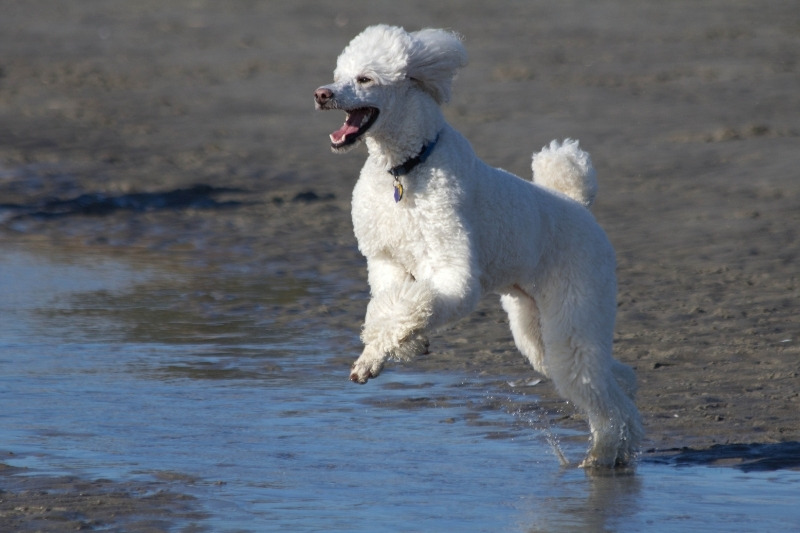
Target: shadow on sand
x,y
753,457
99,204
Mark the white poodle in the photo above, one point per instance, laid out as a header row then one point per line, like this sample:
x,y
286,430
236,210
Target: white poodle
x,y
440,228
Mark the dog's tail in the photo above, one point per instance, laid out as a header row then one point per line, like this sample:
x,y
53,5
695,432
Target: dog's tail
x,y
567,169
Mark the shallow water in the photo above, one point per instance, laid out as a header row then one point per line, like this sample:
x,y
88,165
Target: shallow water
x,y
129,368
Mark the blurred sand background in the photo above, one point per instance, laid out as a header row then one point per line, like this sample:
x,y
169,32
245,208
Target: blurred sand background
x,y
691,112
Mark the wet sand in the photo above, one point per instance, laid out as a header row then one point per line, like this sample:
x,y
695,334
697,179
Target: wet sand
x,y
690,112
67,503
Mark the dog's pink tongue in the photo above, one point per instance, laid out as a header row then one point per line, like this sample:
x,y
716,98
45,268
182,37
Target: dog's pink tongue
x,y
350,126
346,129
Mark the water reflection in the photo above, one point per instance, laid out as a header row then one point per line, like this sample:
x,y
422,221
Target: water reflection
x,y
613,499
584,501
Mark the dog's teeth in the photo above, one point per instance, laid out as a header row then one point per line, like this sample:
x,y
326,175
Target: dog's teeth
x,y
365,119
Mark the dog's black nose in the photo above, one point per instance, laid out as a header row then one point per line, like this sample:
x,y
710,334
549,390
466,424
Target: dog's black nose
x,y
322,95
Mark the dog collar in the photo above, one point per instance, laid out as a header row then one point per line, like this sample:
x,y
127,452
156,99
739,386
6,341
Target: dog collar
x,y
408,166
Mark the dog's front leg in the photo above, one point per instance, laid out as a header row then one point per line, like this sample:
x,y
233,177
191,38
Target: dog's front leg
x,y
387,323
368,365
399,317
396,319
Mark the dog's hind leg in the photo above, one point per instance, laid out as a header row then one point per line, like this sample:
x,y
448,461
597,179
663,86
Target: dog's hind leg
x,y
577,335
523,318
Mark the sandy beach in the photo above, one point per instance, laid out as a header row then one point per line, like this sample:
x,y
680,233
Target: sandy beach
x,y
691,113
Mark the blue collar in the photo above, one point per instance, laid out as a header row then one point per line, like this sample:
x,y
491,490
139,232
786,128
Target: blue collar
x,y
411,164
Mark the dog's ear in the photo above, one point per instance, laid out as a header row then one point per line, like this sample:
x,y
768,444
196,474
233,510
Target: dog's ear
x,y
433,60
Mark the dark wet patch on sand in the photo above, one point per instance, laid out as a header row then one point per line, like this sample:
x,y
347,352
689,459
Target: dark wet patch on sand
x,y
35,502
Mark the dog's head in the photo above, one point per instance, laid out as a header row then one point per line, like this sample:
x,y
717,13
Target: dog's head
x,y
378,67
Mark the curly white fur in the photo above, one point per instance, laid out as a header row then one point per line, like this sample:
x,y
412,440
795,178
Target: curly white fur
x,y
567,169
463,229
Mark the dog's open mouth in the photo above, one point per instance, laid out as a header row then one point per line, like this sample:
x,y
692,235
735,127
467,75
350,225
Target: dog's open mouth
x,y
356,124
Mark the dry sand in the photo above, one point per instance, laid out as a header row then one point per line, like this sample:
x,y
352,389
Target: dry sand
x,y
691,113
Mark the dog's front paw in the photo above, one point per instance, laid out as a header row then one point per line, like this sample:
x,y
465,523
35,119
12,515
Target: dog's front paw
x,y
369,365
362,371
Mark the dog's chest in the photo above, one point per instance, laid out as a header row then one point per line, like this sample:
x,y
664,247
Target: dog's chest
x,y
409,231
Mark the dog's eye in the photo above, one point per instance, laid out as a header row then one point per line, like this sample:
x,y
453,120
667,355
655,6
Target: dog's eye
x,y
363,80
